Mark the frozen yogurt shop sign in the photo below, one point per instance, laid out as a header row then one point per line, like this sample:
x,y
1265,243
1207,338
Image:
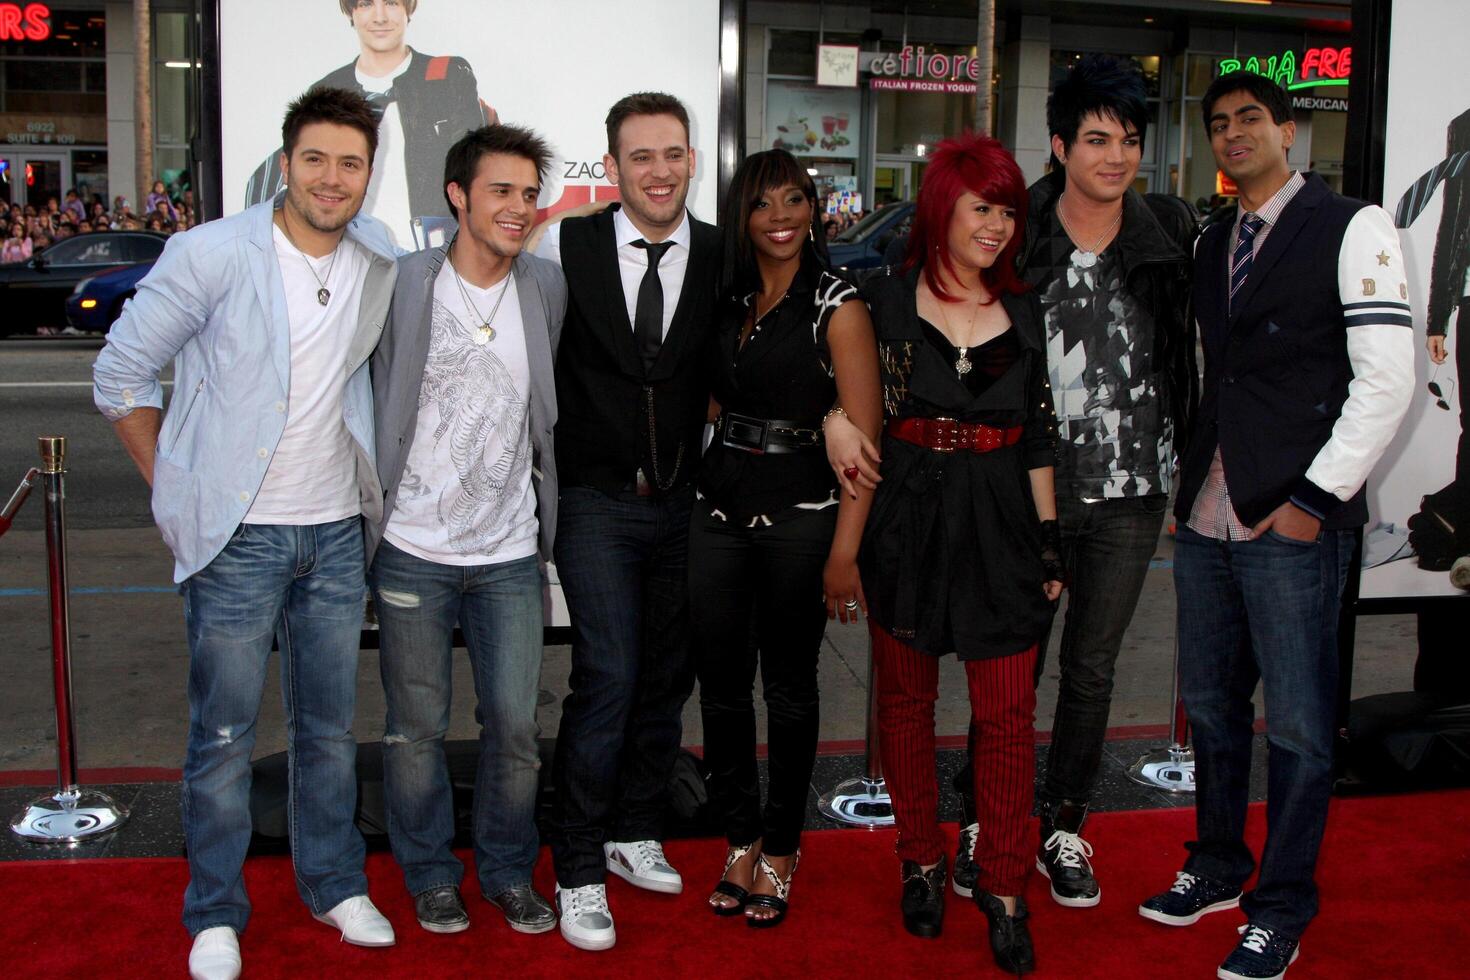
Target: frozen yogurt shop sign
x,y
915,70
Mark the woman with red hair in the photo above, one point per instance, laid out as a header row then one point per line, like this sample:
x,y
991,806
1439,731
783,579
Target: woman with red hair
x,y
961,551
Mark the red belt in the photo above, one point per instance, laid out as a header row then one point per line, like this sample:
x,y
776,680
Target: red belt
x,y
947,435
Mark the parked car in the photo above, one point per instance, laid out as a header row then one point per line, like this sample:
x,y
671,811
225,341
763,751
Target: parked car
x,y
861,247
33,293
97,301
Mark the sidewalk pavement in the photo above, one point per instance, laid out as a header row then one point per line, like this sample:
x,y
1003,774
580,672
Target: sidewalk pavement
x,y
130,663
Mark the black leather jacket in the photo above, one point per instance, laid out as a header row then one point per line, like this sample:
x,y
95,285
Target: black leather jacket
x,y
1156,246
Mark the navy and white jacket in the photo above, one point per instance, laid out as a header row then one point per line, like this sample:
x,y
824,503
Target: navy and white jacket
x,y
1307,378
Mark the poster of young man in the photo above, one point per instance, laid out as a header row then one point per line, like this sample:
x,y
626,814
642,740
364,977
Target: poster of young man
x,y
1427,190
437,68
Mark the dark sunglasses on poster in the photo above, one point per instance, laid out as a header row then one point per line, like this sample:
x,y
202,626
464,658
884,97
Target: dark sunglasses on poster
x,y
1441,399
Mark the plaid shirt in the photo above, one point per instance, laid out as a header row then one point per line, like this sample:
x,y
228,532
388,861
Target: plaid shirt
x,y
1212,514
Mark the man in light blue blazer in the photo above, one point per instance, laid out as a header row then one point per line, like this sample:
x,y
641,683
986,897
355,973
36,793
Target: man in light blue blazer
x,y
263,473
464,400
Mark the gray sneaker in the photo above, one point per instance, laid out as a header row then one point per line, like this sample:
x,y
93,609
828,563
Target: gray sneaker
x,y
441,910
525,910
586,922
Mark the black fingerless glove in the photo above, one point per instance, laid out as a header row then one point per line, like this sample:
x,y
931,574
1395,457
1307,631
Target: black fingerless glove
x,y
1051,553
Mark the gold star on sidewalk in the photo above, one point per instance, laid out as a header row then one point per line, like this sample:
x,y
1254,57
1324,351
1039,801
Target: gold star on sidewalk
x,y
1383,258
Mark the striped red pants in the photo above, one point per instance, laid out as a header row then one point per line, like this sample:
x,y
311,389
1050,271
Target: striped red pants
x,y
1003,704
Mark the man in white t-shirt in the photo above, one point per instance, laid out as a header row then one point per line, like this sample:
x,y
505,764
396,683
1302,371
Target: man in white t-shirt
x,y
425,103
262,472
464,403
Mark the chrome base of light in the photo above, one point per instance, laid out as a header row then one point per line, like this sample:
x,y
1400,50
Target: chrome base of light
x,y
1170,769
861,802
69,817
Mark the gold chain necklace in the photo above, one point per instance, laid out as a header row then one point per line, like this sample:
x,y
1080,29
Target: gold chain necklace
x,y
962,364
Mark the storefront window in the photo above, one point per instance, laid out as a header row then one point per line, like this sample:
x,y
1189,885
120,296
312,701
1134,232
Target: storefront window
x,y
173,78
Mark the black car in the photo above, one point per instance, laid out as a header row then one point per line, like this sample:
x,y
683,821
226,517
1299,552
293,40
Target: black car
x,y
861,247
33,293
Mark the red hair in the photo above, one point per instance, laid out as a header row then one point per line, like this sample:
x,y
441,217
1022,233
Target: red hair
x,y
980,165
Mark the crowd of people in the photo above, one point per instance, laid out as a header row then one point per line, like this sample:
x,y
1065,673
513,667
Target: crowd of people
x,y
939,450
31,229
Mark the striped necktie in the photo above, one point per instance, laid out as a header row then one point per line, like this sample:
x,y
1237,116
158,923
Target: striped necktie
x,y
1240,262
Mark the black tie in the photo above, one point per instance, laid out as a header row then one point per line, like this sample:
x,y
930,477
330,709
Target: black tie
x,y
648,315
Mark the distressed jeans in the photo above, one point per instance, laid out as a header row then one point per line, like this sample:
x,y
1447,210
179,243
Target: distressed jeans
x,y
1261,612
302,586
498,607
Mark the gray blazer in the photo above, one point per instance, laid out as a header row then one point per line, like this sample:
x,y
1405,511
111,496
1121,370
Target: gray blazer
x,y
398,375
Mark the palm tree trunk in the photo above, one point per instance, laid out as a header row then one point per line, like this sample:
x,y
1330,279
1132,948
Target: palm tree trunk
x,y
143,100
985,55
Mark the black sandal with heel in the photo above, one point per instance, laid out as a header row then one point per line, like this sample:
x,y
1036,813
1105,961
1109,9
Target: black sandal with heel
x,y
777,902
728,888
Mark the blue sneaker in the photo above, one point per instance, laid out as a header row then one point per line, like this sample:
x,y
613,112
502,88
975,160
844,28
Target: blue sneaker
x,y
1191,898
1263,954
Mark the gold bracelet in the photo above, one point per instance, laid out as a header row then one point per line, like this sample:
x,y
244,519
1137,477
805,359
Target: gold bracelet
x,y
835,411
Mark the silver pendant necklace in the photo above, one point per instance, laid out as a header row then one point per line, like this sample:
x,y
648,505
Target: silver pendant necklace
x,y
1085,258
962,363
484,332
323,294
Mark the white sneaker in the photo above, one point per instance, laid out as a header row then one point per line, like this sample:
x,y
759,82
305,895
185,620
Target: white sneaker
x,y
360,921
216,955
642,863
586,922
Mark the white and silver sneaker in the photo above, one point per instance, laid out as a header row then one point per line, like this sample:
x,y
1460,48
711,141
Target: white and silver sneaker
x,y
360,922
642,863
586,922
216,955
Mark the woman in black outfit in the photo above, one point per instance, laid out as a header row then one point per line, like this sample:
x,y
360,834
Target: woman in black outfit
x,y
961,550
772,552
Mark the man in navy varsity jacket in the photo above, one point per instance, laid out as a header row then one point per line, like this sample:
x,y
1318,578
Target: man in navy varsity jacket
x,y
1303,309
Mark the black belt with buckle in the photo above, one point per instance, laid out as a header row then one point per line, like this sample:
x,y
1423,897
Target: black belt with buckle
x,y
752,435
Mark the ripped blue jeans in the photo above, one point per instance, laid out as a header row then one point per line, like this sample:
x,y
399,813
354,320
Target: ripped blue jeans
x,y
498,608
305,587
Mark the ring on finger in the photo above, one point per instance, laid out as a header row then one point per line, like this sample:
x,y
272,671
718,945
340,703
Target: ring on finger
x,y
851,604
851,472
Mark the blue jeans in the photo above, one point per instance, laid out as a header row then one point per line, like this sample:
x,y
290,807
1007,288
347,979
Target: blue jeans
x,y
1262,611
304,587
499,609
623,563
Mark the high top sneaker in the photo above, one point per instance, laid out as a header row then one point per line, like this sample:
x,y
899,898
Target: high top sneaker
x,y
1063,855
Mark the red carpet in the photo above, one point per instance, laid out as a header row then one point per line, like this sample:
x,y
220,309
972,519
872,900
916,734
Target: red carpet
x,y
1394,905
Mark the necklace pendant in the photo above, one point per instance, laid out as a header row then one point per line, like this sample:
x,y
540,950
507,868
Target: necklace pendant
x,y
1083,259
962,363
323,295
484,333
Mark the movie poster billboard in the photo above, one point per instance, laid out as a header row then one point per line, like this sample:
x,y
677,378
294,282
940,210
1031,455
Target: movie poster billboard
x,y
1427,189
440,67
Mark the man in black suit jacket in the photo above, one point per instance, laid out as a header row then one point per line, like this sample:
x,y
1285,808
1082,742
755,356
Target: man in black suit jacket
x,y
1448,282
632,393
427,103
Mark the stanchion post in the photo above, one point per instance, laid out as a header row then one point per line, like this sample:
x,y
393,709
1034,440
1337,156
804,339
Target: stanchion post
x,y
863,800
1172,768
71,814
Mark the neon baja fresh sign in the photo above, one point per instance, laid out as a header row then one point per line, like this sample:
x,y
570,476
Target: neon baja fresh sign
x,y
1318,67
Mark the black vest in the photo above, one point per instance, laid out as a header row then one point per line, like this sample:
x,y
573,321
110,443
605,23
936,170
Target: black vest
x,y
603,393
1276,369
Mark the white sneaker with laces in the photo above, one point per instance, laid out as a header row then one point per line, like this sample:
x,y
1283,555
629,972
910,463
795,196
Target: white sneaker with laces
x,y
360,921
216,955
586,922
642,863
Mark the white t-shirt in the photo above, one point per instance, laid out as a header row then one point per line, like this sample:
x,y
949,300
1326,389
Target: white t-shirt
x,y
466,496
312,478
633,262
387,193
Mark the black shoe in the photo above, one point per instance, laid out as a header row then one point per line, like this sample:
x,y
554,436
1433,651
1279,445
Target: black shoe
x,y
1191,898
441,910
923,899
525,911
1063,855
1010,937
965,868
1263,954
